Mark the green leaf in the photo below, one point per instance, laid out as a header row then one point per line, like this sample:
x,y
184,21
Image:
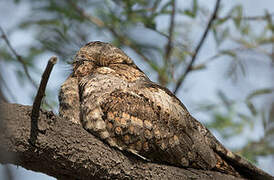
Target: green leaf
x,y
43,22
34,51
195,7
61,9
220,21
189,13
224,99
250,156
215,35
251,107
20,77
221,121
165,7
224,34
149,23
270,24
245,29
237,22
237,13
242,67
154,66
5,55
247,119
264,121
259,92
207,107
224,123
228,53
220,35
192,12
198,67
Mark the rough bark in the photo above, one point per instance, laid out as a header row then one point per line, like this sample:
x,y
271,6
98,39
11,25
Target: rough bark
x,y
66,151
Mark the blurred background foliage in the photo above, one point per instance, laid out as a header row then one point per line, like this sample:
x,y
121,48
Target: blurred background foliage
x,y
166,37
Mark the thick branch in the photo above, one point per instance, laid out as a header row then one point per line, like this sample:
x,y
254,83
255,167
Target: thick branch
x,y
67,151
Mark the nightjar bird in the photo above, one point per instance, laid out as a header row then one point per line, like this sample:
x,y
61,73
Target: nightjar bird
x,y
115,101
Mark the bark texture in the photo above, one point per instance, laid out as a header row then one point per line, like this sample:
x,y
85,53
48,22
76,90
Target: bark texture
x,y
66,151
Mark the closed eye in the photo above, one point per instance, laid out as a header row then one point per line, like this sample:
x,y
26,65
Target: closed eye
x,y
81,60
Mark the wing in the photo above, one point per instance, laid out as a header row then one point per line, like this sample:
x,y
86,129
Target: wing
x,y
148,120
69,101
180,142
144,119
224,160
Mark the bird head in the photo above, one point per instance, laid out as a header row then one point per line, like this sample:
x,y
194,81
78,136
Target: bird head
x,y
98,54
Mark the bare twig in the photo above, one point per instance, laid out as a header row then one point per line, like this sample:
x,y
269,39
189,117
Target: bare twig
x,y
38,99
18,57
189,67
171,30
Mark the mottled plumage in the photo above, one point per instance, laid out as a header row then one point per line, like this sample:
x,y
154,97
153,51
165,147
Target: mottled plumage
x,y
114,100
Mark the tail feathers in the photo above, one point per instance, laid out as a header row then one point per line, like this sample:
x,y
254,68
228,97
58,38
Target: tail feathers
x,y
224,167
248,170
232,163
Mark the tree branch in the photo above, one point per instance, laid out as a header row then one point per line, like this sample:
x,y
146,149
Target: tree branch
x,y
171,30
18,57
67,151
189,67
38,99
